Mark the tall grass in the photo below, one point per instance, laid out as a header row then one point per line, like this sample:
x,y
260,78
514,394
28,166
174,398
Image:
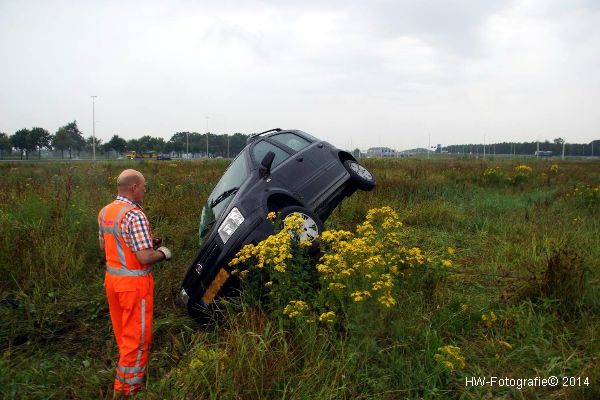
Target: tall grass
x,y
527,250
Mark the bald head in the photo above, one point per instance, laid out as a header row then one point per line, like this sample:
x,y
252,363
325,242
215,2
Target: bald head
x,y
131,184
129,177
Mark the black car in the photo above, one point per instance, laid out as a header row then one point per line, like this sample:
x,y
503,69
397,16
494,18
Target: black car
x,y
164,157
284,171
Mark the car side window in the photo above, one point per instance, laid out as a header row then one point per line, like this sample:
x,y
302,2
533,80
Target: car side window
x,y
291,140
262,148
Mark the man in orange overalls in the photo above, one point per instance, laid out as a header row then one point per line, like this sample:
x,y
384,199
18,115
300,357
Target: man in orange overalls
x,y
127,240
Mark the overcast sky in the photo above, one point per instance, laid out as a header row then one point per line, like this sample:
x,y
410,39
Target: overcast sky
x,y
360,73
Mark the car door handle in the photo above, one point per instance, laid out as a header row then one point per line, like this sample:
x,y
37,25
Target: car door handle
x,y
299,158
320,145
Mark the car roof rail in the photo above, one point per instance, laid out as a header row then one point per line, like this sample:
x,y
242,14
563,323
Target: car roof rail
x,y
271,130
255,135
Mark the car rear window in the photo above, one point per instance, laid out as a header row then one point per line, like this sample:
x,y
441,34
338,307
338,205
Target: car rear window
x,y
262,148
291,140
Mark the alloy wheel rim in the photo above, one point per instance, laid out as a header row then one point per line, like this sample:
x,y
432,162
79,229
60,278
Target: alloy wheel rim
x,y
361,171
310,230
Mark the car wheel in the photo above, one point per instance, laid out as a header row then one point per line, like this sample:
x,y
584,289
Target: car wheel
x,y
312,225
361,176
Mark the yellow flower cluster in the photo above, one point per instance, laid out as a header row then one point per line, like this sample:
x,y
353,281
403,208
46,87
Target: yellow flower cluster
x,y
554,168
385,281
333,237
336,286
359,266
387,300
360,295
328,317
523,169
295,308
587,193
491,171
203,357
368,261
489,319
294,223
449,356
275,250
417,255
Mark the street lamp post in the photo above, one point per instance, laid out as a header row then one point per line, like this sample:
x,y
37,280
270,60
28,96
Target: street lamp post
x,y
94,127
428,143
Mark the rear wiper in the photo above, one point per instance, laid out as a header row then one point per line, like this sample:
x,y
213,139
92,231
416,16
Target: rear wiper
x,y
223,196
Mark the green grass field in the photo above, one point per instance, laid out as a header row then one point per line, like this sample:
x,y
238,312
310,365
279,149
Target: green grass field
x,y
520,300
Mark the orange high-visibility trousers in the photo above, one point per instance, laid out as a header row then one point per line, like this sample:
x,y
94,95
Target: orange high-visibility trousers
x,y
131,304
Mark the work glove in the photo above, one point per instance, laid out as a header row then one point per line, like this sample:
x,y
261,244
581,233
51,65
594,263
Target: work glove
x,y
165,251
156,243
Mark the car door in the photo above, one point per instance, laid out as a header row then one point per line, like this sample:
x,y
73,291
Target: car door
x,y
322,169
285,170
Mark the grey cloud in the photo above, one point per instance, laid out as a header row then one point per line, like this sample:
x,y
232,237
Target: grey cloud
x,y
453,24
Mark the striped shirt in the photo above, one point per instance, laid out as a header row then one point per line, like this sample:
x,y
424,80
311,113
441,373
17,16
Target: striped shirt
x,y
135,227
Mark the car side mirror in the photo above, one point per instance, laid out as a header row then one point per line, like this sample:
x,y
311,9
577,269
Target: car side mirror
x,y
265,164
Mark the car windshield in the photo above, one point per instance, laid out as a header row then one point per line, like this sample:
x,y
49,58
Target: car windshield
x,y
222,194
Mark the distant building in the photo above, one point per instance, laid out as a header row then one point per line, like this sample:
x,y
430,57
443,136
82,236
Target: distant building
x,y
381,152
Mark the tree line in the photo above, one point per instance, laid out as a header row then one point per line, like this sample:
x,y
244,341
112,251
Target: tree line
x,y
69,139
529,148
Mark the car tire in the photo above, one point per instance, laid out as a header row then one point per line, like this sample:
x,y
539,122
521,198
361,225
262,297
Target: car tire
x,y
313,225
361,176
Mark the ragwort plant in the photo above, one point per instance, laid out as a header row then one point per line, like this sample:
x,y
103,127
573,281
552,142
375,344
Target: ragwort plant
x,y
358,273
521,175
277,266
493,176
585,195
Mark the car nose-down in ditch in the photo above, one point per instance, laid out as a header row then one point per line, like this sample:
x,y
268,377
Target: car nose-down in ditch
x,y
284,171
